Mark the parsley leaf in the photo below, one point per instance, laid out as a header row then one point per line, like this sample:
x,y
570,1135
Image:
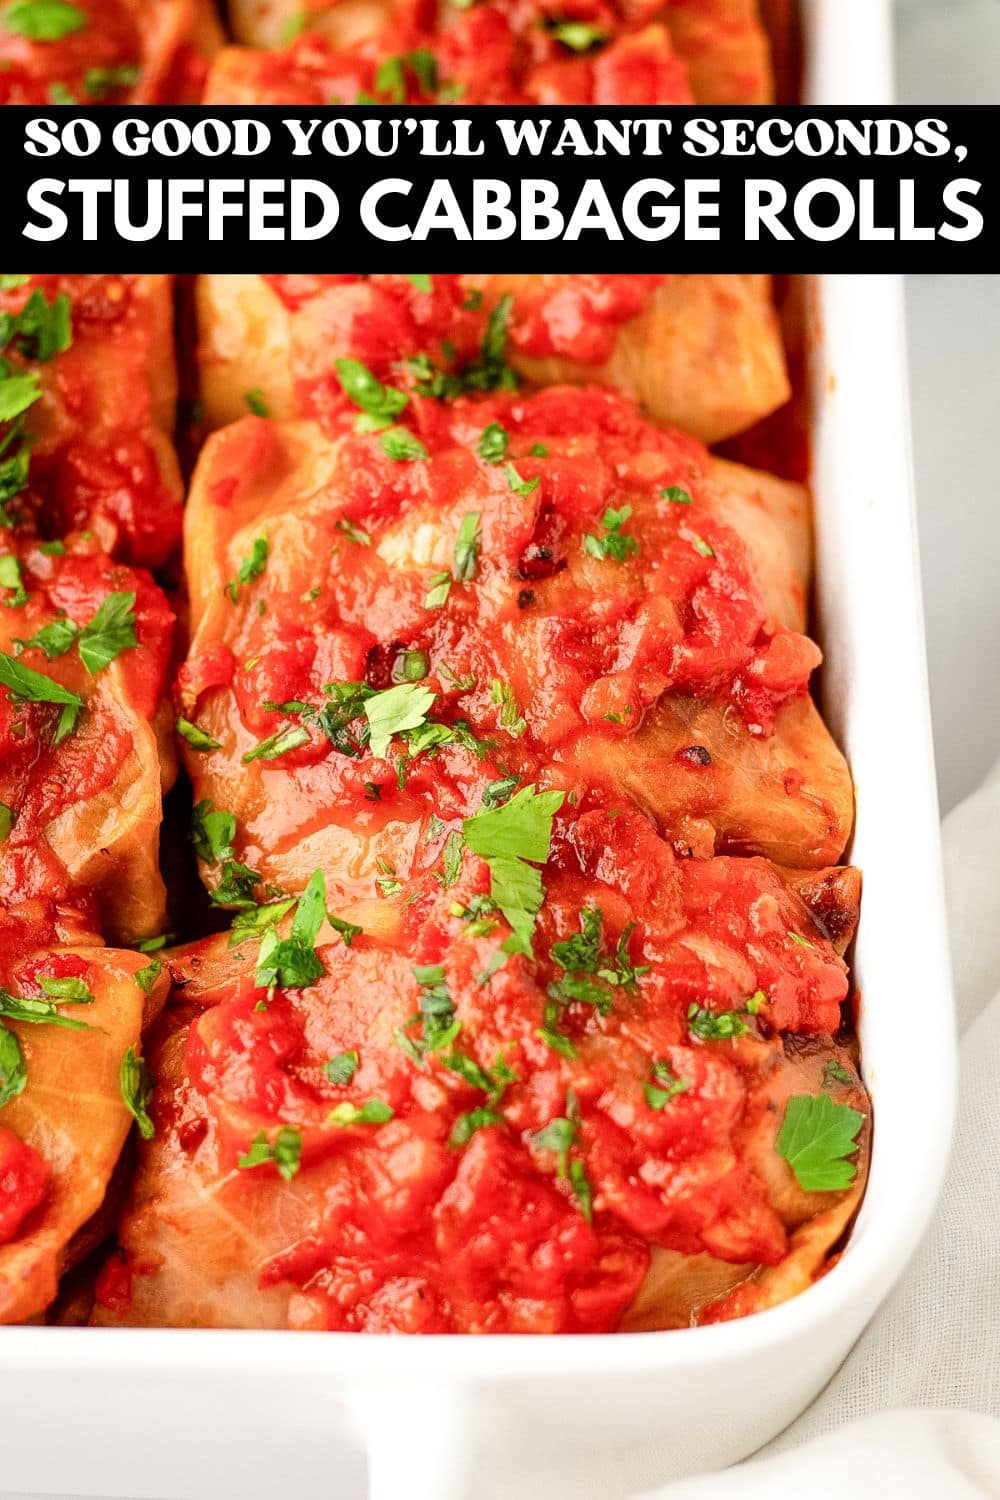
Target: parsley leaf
x,y
341,1068
466,1125
666,1087
196,738
54,639
816,1138
394,710
13,1073
835,1072
492,444
380,404
27,686
467,545
136,1084
43,20
519,486
508,838
111,631
356,533
615,543
37,1012
372,1112
674,495
401,444
579,36
290,737
510,715
715,1026
146,977
292,962
285,1152
256,402
212,832
250,567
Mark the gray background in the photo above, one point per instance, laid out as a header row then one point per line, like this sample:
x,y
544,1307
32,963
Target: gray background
x,y
949,52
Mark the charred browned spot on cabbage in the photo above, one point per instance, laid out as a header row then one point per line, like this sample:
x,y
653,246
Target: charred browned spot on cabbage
x,y
695,755
545,554
833,897
525,598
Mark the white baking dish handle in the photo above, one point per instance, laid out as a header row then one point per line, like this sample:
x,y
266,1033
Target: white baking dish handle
x,y
418,1439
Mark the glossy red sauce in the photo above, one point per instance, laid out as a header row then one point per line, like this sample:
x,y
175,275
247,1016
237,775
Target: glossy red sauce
x,y
24,1182
415,1232
98,463
38,71
499,52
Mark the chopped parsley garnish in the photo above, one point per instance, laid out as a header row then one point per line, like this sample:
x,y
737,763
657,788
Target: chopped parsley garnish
x,y
437,1009
136,1084
285,1152
715,1026
111,631
257,403
68,989
561,1135
146,977
519,486
8,818
466,1125
438,590
467,545
803,942
341,1068
348,930
674,495
99,82
212,832
380,404
27,686
703,548
372,1112
195,737
291,737
835,1072
410,666
395,710
510,715
499,790
250,567
665,1087
513,839
292,962
13,1073
816,1138
53,640
579,36
236,887
493,443
356,533
452,859
43,20
488,372
12,579
615,543
401,444
256,919
37,1012
420,280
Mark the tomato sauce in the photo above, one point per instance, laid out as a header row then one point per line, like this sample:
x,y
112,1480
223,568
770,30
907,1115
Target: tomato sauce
x,y
24,1183
496,52
419,1223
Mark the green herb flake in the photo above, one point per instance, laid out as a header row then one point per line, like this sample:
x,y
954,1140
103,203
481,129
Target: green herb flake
x,y
372,1112
250,568
674,495
285,1152
255,400
380,404
438,591
493,443
402,445
195,737
110,632
136,1084
715,1026
615,543
43,20
341,1068
292,962
467,544
13,1073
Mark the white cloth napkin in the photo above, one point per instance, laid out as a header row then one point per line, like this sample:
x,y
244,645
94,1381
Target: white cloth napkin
x,y
915,1410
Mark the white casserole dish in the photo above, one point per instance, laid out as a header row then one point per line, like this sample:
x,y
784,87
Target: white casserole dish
x,y
182,1414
